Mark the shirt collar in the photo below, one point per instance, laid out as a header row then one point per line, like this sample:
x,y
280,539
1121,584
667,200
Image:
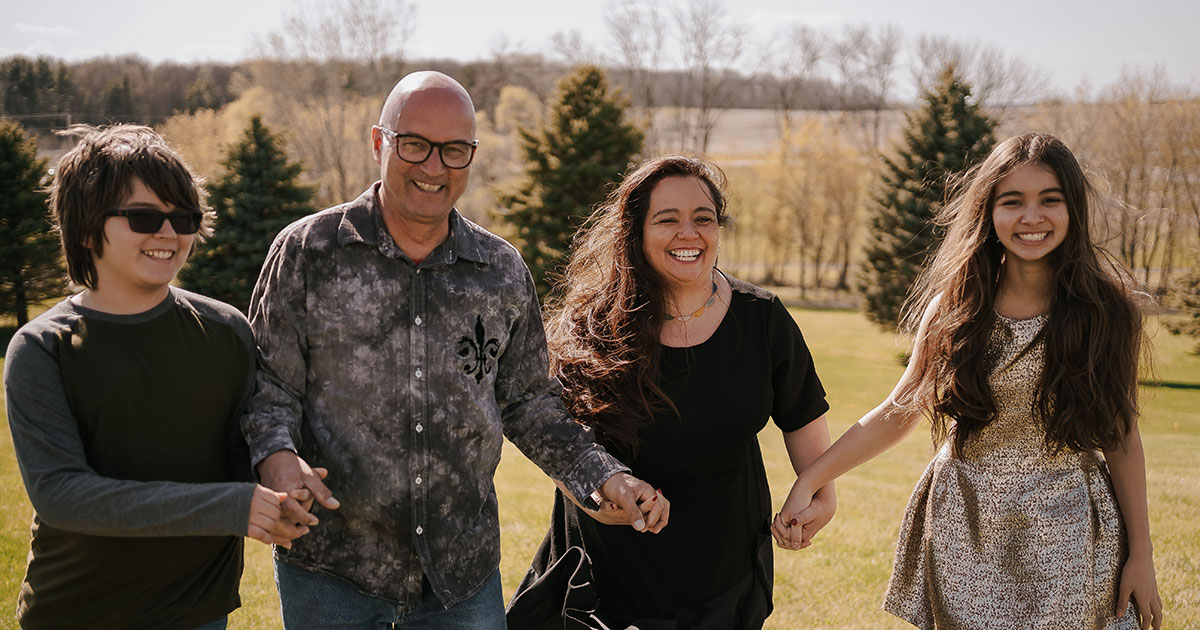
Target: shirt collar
x,y
362,222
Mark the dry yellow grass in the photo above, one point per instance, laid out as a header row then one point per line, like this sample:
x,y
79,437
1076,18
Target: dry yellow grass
x,y
839,582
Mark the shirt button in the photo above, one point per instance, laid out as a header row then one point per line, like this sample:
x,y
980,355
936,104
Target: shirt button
x,y
417,321
420,530
420,428
418,372
418,481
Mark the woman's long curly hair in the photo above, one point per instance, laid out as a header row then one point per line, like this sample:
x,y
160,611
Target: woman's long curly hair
x,y
1087,395
603,317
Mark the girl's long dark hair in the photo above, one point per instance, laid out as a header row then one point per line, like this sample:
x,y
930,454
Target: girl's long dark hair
x,y
603,323
1087,395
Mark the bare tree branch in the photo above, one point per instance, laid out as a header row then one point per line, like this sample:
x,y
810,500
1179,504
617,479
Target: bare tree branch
x,y
997,80
712,43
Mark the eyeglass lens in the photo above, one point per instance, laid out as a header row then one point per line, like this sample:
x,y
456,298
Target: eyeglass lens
x,y
416,150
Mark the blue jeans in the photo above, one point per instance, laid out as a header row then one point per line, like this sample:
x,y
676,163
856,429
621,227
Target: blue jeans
x,y
310,600
219,624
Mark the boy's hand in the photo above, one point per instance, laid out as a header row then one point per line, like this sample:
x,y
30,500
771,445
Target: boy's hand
x,y
268,523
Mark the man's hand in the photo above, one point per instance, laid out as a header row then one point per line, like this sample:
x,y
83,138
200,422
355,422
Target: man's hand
x,y
268,523
285,472
645,508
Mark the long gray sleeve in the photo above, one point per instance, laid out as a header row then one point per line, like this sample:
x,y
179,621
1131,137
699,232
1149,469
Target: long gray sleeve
x,y
67,494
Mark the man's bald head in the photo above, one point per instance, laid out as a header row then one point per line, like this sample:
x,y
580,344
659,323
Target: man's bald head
x,y
430,114
418,82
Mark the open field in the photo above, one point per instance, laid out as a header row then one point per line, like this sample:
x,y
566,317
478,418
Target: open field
x,y
839,582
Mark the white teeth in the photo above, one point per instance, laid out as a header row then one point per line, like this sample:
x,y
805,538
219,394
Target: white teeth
x,y
686,255
427,187
160,254
1035,237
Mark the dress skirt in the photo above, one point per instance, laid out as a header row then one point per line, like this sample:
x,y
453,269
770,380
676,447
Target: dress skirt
x,y
1011,533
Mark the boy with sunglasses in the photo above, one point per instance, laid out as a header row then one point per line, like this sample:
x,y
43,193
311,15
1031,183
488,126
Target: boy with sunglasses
x,y
123,403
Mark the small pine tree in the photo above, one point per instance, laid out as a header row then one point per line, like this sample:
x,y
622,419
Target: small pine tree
x,y
948,135
571,163
256,198
31,268
117,100
1186,297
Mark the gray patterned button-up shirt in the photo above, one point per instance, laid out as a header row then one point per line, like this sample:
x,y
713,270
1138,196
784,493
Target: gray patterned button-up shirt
x,y
400,379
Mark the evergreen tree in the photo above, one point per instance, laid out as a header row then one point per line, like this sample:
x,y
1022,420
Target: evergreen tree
x,y
947,135
31,269
117,100
571,164
256,198
41,86
1186,297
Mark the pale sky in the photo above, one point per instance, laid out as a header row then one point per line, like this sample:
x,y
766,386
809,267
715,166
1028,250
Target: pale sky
x,y
1070,40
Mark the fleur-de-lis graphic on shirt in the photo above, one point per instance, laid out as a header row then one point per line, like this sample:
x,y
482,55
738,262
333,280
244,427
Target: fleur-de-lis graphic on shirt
x,y
482,348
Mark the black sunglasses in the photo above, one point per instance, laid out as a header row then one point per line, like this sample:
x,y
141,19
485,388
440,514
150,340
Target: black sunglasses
x,y
149,221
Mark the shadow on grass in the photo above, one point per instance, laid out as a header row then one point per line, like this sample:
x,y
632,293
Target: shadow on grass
x,y
1169,384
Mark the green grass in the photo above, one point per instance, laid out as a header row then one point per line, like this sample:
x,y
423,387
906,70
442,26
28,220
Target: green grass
x,y
839,582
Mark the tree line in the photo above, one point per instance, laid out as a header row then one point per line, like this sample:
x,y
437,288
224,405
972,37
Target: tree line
x,y
44,93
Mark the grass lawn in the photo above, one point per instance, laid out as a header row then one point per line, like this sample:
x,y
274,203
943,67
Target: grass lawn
x,y
839,582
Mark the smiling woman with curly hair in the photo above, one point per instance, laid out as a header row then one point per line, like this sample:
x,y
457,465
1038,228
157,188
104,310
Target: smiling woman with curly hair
x,y
676,366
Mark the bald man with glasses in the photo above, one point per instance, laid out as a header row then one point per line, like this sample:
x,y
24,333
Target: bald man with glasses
x,y
399,343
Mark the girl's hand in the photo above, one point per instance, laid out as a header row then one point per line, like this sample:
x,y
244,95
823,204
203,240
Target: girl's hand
x,y
1137,579
816,516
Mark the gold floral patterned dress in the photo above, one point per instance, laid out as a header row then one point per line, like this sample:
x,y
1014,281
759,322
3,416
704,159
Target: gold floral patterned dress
x,y
1011,534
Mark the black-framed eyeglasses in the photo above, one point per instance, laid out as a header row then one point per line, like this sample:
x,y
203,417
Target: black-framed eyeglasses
x,y
414,149
149,220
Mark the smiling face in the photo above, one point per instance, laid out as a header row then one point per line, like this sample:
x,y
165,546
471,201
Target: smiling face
x,y
1029,213
133,267
680,233
424,193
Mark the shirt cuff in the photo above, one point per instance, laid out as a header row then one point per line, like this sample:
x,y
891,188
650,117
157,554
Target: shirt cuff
x,y
270,441
589,472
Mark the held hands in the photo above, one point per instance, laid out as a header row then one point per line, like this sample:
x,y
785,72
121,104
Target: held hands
x,y
268,522
802,516
284,471
627,500
292,485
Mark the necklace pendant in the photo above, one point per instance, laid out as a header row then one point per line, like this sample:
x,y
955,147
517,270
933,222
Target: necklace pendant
x,y
712,297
